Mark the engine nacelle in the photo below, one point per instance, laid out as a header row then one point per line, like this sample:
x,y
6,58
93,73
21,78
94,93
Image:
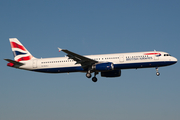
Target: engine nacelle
x,y
103,66
113,73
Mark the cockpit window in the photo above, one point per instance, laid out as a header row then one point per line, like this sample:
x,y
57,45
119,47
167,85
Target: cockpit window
x,y
167,55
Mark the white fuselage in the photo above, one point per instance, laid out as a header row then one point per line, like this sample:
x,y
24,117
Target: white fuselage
x,y
109,65
120,61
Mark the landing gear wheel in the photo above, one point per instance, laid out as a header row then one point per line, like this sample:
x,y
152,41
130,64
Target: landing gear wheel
x,y
94,79
157,73
88,75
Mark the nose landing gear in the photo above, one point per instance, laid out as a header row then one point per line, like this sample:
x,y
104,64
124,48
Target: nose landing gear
x,y
157,73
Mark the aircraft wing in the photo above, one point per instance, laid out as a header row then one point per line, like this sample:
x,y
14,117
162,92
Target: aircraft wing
x,y
84,61
14,62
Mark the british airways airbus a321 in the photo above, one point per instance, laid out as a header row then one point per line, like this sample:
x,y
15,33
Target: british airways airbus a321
x,y
109,65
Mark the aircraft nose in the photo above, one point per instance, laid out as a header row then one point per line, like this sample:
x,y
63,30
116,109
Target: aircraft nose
x,y
174,59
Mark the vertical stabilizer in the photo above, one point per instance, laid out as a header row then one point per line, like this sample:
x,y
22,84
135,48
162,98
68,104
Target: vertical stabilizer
x,y
19,51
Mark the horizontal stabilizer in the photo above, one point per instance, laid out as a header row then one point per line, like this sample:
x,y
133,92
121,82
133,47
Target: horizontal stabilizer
x,y
14,62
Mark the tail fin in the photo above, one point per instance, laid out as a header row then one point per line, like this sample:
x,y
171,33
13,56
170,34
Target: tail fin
x,y
19,51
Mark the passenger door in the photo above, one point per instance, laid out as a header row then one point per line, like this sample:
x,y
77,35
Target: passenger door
x,y
156,57
34,64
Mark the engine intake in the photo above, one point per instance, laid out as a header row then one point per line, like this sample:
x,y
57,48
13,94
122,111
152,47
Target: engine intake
x,y
103,66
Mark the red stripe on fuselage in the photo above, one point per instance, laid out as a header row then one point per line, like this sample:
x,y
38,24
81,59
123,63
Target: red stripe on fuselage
x,y
152,53
15,45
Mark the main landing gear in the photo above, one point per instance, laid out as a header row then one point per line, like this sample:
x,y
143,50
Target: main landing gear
x,y
88,75
157,73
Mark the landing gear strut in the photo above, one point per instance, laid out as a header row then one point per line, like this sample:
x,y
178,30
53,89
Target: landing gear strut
x,y
157,73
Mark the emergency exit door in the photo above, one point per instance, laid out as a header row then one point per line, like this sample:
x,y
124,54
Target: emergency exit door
x,y
121,58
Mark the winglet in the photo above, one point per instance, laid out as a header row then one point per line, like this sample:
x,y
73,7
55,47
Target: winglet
x,y
59,49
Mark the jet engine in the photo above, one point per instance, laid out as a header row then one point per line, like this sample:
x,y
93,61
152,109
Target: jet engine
x,y
103,66
113,73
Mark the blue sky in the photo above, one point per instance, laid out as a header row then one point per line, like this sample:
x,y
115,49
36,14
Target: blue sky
x,y
90,27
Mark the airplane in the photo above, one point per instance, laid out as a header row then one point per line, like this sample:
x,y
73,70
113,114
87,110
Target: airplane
x,y
109,65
